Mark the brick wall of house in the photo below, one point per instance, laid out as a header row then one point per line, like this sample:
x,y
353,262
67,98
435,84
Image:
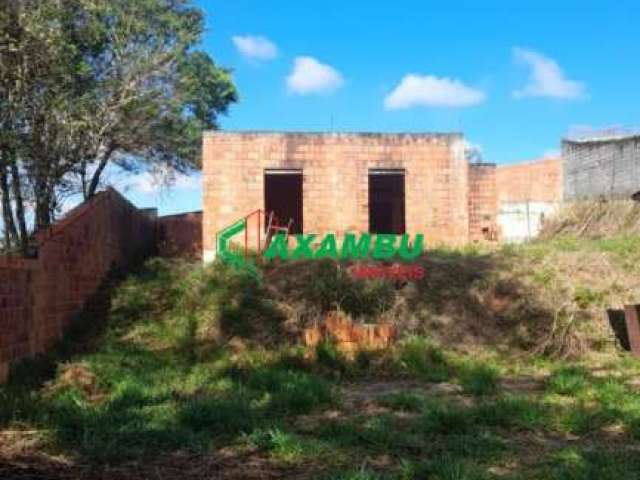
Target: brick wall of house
x,y
335,180
180,235
38,297
483,202
539,181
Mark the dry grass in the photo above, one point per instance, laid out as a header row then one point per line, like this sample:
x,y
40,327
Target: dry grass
x,y
594,219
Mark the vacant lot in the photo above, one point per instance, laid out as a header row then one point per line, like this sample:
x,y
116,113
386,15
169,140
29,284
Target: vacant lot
x,y
505,370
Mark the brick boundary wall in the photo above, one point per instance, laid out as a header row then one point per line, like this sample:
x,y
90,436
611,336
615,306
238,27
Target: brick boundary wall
x,y
38,297
539,180
180,235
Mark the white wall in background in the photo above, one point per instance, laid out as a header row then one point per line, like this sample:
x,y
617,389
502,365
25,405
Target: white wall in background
x,y
521,221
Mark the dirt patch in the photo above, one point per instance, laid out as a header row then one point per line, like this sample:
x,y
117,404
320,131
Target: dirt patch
x,y
363,393
226,464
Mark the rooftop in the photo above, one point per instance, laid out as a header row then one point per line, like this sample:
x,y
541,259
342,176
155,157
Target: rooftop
x,y
602,136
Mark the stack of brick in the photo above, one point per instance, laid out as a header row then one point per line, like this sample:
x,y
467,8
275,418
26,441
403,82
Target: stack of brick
x,y
348,336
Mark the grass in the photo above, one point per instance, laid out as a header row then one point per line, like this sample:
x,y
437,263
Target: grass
x,y
568,380
421,357
164,379
479,378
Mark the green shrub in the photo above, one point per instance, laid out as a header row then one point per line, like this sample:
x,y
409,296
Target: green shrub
x,y
446,417
512,411
421,357
479,378
218,415
569,380
450,468
290,392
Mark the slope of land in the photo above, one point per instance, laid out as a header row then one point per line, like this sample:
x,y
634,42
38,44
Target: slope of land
x,y
506,369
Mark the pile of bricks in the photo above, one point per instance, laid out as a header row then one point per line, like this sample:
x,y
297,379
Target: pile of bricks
x,y
348,336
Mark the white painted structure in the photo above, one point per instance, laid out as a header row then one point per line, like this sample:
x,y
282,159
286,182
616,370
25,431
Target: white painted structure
x,y
522,221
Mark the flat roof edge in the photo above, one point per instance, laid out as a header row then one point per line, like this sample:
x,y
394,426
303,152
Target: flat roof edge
x,y
611,139
210,133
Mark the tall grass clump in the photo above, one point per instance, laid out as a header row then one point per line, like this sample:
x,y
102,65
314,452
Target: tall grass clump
x,y
423,358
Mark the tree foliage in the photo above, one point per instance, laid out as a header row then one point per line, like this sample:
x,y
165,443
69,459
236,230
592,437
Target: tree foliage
x,y
85,83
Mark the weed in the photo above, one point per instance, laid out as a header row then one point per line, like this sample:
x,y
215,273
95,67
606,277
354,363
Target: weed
x,y
361,474
569,380
585,297
450,468
582,418
600,464
446,417
329,357
479,378
512,411
421,357
284,445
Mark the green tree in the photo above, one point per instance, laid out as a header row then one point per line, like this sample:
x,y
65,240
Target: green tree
x,y
87,82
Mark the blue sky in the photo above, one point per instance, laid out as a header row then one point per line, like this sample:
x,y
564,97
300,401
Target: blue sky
x,y
514,77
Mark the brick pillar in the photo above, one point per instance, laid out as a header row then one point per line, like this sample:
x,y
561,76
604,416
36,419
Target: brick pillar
x,y
633,328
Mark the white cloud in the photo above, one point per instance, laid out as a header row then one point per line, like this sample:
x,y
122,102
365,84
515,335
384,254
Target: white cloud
x,y
255,47
547,78
431,91
551,153
311,76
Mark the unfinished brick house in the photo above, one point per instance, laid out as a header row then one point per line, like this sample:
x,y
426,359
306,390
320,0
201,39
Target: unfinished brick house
x,y
348,182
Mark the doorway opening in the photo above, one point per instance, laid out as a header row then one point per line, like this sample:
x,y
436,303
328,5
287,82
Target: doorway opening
x,y
283,197
386,201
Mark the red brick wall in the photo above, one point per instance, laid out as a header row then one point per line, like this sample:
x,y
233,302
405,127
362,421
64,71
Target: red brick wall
x,y
483,202
539,181
180,235
335,179
39,296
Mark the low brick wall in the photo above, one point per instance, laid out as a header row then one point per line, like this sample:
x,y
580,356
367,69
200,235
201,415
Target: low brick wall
x,y
180,235
38,297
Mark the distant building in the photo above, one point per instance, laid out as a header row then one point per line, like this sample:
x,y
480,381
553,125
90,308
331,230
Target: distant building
x,y
601,166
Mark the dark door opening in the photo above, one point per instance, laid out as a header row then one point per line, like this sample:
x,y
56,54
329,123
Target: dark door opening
x,y
283,197
386,201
